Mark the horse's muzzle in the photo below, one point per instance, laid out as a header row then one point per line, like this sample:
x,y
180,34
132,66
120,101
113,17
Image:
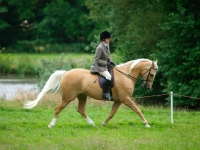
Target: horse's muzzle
x,y
145,85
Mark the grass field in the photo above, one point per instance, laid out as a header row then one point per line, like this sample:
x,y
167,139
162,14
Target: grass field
x,y
25,64
34,59
22,129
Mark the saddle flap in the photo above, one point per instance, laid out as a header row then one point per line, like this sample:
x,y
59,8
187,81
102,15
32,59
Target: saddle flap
x,y
102,79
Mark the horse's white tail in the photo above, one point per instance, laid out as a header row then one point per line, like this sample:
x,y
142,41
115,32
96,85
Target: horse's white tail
x,y
53,84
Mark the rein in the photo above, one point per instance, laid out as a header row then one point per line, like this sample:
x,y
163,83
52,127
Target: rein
x,y
127,75
133,78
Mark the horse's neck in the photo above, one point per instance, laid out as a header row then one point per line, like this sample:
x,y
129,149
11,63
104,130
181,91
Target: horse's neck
x,y
126,67
136,71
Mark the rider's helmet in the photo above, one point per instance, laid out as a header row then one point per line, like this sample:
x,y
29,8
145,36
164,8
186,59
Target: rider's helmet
x,y
104,35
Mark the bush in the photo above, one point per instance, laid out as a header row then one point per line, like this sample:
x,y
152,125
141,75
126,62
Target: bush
x,y
5,63
26,66
38,47
50,66
63,48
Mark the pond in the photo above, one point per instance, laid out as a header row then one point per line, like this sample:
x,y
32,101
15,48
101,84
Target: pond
x,y
10,86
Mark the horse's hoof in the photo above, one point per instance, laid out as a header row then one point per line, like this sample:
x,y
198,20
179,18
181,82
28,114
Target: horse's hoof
x,y
49,126
147,125
93,124
103,124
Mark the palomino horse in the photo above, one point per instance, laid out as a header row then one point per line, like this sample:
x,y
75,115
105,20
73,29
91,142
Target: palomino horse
x,y
80,83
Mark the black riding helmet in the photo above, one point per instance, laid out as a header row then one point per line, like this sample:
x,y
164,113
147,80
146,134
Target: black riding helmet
x,y
104,35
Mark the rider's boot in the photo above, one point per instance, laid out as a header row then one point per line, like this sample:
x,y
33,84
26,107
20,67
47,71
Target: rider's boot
x,y
106,87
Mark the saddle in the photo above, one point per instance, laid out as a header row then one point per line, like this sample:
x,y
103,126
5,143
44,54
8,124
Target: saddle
x,y
102,79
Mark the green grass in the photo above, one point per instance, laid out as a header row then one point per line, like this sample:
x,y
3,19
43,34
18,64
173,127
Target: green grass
x,y
34,59
25,64
27,129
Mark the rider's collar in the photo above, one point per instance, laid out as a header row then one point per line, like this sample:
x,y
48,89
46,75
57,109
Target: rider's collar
x,y
106,45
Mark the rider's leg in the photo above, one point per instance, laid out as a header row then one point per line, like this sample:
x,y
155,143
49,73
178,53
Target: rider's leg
x,y
106,85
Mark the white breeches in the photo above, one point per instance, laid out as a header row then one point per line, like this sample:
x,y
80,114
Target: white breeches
x,y
106,74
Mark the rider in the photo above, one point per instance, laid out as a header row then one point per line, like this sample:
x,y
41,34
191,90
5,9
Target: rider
x,y
102,61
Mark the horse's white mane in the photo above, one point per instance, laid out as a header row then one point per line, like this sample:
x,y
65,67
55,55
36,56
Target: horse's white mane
x,y
135,62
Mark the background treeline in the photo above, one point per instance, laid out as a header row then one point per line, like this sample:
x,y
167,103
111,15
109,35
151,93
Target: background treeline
x,y
45,26
166,30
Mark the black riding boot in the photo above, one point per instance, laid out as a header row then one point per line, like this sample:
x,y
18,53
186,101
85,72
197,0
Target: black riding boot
x,y
106,92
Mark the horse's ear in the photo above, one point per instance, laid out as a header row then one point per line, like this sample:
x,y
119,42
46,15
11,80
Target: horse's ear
x,y
155,63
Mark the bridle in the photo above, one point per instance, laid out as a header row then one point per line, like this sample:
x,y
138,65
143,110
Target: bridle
x,y
147,80
138,79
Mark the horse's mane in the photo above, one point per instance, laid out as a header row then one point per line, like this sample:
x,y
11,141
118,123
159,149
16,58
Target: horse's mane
x,y
137,61
134,63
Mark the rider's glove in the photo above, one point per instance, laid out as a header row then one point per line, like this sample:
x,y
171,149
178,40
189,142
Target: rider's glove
x,y
112,64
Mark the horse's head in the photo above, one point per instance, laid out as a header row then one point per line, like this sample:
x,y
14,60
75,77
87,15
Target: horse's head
x,y
148,75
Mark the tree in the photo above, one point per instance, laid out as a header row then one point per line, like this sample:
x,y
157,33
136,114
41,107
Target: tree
x,y
167,30
27,26
179,52
133,23
18,16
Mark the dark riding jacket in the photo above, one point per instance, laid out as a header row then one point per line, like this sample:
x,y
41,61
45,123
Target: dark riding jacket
x,y
102,56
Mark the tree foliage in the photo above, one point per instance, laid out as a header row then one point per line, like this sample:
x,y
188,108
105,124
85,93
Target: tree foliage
x,y
179,52
134,25
29,26
167,30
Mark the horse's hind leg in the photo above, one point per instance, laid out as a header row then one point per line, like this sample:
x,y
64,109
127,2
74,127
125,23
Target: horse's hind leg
x,y
58,109
133,106
81,108
65,101
115,106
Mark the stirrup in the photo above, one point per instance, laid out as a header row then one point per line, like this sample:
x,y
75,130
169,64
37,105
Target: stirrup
x,y
106,96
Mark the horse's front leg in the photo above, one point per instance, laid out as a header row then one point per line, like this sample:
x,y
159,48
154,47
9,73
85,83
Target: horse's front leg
x,y
115,106
133,106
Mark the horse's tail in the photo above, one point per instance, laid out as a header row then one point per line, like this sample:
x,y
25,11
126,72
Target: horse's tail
x,y
53,84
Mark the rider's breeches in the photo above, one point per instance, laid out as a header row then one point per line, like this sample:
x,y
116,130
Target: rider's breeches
x,y
106,74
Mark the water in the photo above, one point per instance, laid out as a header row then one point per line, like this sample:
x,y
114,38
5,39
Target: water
x,y
10,86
